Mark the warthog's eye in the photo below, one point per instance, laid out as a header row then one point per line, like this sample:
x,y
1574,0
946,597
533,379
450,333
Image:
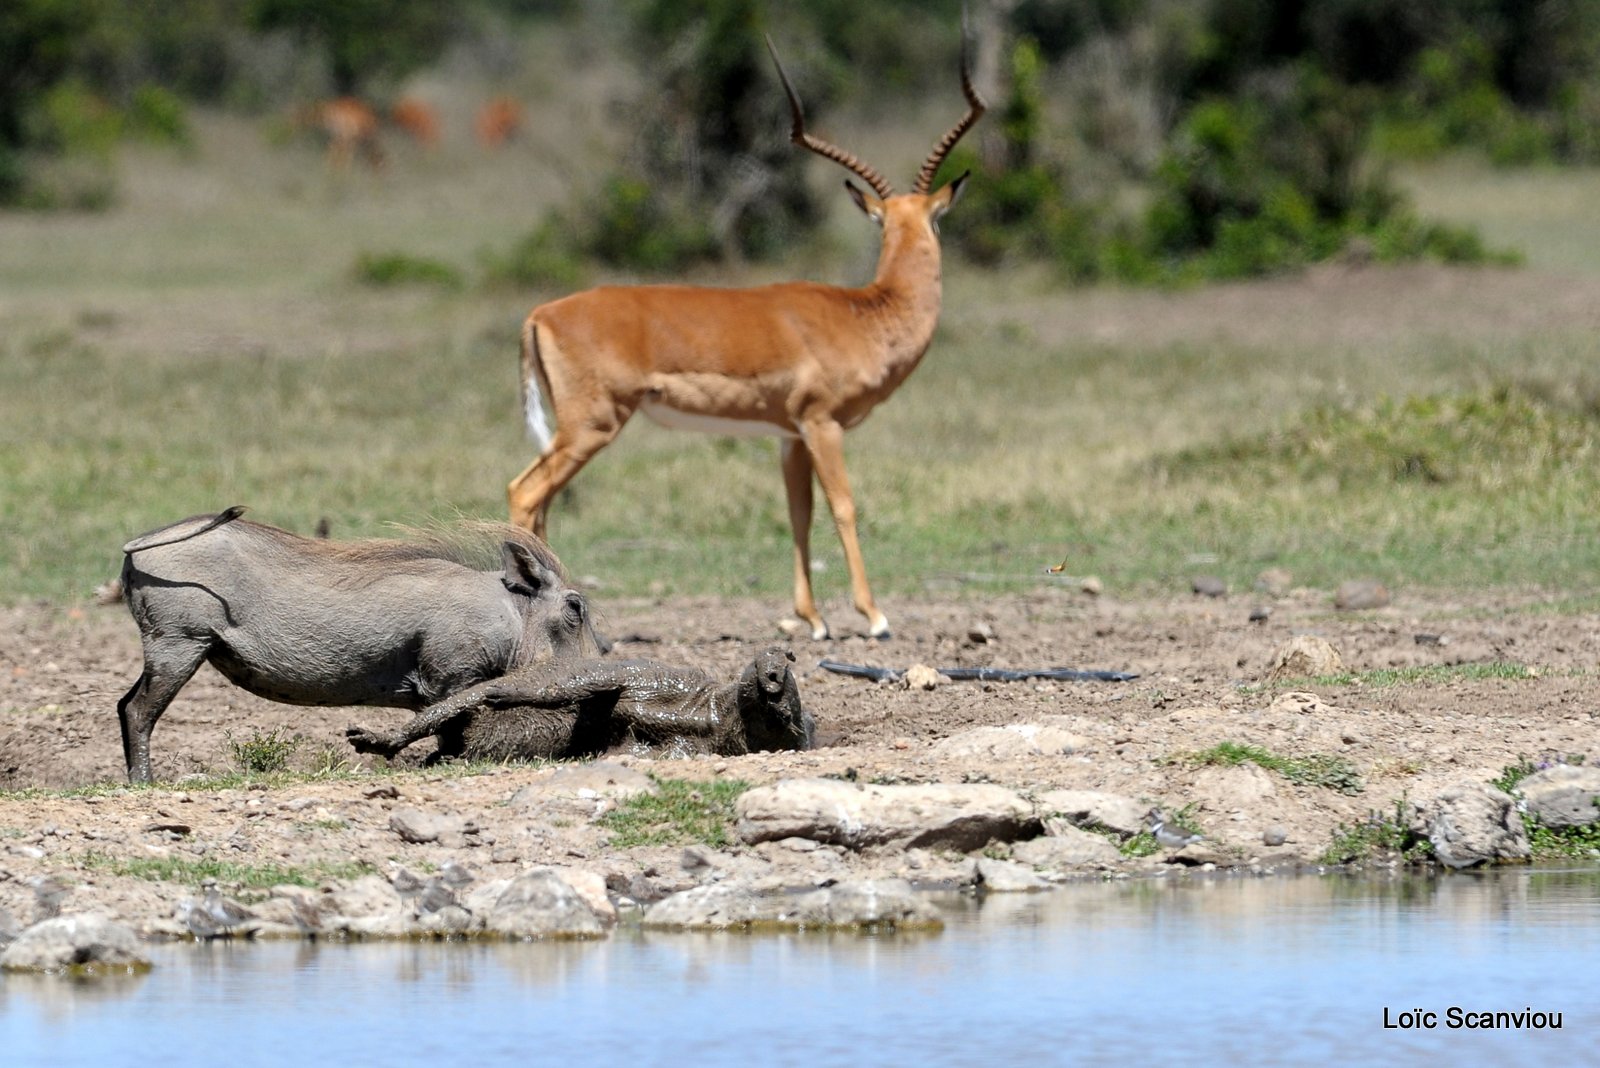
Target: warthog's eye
x,y
572,609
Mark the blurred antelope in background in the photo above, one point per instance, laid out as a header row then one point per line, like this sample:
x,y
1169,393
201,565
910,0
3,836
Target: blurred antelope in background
x,y
350,127
799,360
418,120
498,121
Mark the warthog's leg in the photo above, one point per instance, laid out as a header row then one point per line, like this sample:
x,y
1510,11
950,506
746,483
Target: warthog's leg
x,y
529,687
429,721
169,662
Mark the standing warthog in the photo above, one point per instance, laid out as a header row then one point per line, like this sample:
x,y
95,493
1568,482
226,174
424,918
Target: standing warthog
x,y
583,707
394,623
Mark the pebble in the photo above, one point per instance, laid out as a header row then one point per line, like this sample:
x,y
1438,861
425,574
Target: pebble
x,y
1274,836
1208,586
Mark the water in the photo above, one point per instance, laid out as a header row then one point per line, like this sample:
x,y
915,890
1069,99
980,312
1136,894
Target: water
x,y
1253,971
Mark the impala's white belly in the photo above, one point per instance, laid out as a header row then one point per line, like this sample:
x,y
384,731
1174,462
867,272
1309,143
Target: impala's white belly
x,y
674,419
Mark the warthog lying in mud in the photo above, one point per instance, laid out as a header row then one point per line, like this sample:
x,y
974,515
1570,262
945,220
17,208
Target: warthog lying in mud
x,y
586,707
400,624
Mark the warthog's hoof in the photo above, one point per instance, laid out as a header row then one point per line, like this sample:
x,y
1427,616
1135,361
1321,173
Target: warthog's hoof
x,y
365,741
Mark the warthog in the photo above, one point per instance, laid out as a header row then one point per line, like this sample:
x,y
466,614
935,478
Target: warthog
x,y
579,708
401,624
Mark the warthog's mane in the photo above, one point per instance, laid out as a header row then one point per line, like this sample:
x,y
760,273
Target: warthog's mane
x,y
475,544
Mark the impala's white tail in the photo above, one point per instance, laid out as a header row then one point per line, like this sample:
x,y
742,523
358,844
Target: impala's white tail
x,y
532,397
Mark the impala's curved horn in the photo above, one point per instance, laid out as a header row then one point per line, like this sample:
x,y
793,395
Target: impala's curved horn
x,y
798,135
975,109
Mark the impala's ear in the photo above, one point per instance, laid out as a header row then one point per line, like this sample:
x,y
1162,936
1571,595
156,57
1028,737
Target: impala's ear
x,y
946,198
867,202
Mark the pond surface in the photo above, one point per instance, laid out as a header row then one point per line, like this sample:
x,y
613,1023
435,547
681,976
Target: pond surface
x,y
1247,970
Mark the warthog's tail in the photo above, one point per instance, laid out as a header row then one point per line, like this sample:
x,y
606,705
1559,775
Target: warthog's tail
x,y
183,530
532,377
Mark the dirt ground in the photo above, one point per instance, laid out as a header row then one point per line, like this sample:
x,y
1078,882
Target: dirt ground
x,y
1201,667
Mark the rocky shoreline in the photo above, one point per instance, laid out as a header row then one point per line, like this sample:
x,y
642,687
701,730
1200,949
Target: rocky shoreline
x,y
805,853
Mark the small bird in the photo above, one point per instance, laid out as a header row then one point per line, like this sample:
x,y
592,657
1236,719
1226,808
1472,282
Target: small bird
x,y
224,913
454,875
48,894
435,896
198,920
405,884
306,914
1169,836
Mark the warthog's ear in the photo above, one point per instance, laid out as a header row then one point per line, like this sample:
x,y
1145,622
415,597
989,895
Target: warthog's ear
x,y
524,573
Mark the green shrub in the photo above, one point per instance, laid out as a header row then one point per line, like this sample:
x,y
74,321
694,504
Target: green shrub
x,y
1378,837
548,256
632,224
155,114
263,753
399,268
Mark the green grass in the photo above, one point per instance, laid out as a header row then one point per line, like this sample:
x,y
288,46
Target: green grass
x,y
1426,674
196,871
202,343
680,813
1329,772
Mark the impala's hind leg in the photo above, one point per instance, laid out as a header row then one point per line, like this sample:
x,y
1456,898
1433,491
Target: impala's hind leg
x,y
168,664
588,418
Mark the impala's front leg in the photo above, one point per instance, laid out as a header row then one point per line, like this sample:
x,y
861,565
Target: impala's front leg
x,y
797,486
825,442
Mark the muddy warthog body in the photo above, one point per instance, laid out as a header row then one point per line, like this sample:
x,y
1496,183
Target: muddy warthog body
x,y
584,707
308,622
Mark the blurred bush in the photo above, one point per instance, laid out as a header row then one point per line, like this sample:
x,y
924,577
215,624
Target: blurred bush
x,y
400,268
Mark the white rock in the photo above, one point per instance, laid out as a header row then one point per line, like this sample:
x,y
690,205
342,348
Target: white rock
x,y
954,816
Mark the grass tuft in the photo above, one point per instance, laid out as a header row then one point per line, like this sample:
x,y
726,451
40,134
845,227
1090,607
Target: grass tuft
x,y
680,813
1329,772
196,871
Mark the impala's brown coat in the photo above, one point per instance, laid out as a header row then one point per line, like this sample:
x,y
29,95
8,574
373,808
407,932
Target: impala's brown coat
x,y
798,359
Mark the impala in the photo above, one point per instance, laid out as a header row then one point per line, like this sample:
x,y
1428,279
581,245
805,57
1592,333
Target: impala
x,y
799,360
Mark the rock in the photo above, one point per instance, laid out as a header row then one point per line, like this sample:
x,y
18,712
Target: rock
x,y
1472,823
81,944
1565,795
451,919
1066,848
1006,877
539,903
1274,836
591,887
874,903
717,907
1091,808
1297,703
1012,740
1091,585
1274,581
1360,594
1241,787
586,790
794,628
922,677
981,633
1208,586
1304,656
961,817
367,906
418,827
